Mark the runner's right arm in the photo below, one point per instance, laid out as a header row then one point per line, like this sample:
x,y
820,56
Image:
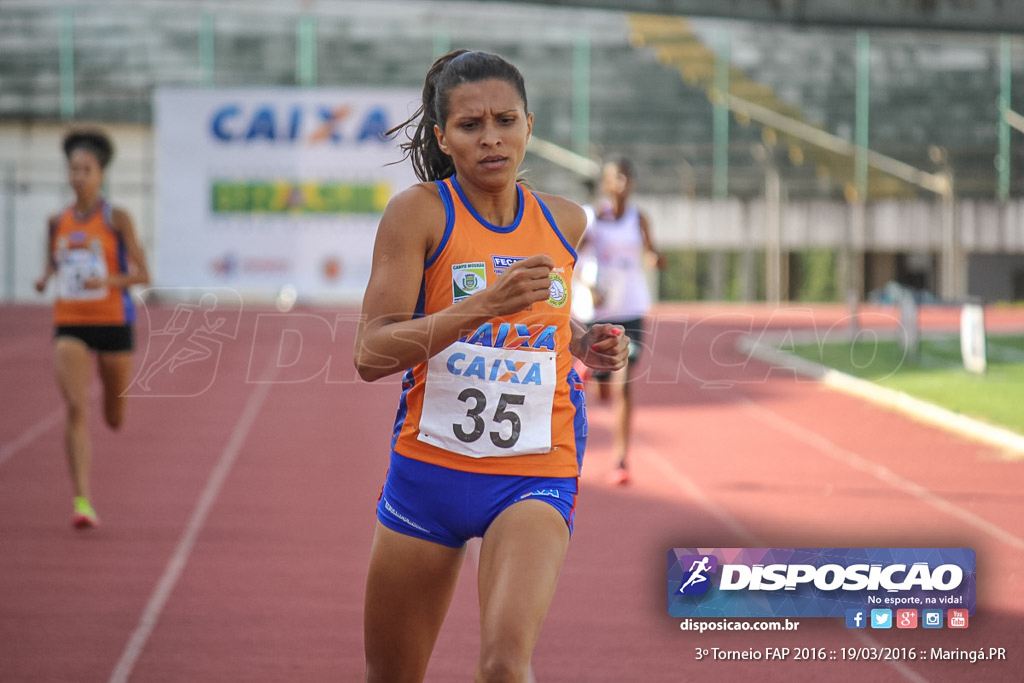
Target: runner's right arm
x,y
389,339
49,268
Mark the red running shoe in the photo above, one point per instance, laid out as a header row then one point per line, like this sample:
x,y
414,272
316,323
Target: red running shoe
x,y
619,476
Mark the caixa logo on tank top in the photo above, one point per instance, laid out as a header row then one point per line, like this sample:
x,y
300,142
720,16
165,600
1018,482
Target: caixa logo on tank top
x,y
470,278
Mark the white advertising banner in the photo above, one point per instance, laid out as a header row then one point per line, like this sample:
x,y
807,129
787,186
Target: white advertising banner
x,y
264,189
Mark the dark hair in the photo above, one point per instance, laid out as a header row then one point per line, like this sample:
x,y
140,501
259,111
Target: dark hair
x,y
626,168
94,141
448,72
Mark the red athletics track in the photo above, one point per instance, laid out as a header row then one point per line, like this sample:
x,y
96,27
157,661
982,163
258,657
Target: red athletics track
x,y
237,509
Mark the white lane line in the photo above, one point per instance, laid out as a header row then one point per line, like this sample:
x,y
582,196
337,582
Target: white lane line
x,y
9,449
31,434
880,472
694,492
172,572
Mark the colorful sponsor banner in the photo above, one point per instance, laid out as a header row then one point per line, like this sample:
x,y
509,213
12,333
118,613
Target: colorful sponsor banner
x,y
263,189
818,582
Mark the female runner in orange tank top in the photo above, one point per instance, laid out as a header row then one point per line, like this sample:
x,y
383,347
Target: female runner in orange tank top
x,y
471,132
94,255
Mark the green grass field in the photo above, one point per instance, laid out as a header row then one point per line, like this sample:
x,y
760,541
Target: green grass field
x,y
937,374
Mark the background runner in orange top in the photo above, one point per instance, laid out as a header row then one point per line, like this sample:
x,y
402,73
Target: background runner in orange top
x,y
95,257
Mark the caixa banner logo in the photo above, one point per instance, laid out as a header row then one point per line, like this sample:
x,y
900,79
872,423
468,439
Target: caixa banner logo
x,y
816,582
311,124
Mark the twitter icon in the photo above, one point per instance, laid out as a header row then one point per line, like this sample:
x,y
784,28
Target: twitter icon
x,y
881,618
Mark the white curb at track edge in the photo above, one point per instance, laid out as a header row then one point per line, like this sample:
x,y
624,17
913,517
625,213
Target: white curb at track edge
x,y
883,396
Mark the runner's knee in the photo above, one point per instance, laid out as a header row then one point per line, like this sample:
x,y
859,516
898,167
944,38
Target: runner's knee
x,y
76,411
502,666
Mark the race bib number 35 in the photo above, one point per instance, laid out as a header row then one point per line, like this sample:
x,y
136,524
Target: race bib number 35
x,y
485,402
78,266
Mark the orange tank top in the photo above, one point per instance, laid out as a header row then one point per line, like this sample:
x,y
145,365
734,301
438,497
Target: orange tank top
x,y
84,248
499,401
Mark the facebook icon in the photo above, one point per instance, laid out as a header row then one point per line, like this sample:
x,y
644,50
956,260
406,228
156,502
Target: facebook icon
x,y
856,618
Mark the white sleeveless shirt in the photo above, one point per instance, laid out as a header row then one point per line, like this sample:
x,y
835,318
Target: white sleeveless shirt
x,y
618,246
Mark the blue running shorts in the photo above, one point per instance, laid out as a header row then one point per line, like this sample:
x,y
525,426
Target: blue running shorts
x,y
450,507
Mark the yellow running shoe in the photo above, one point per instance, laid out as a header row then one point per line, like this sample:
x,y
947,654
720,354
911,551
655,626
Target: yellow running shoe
x,y
84,516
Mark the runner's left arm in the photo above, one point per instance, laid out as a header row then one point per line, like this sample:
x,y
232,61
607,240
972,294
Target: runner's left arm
x,y
602,346
137,272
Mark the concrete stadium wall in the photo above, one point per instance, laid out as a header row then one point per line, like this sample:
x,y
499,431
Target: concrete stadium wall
x,y
891,225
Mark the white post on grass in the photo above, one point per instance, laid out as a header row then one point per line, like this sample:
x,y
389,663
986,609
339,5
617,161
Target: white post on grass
x,y
911,338
972,337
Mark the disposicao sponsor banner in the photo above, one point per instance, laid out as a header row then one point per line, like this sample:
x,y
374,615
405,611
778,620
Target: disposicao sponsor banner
x,y
817,582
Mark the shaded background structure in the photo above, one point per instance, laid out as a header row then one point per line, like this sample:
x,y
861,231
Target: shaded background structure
x,y
787,150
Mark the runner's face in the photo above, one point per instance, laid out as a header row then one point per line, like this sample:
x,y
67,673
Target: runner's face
x,y
486,132
84,173
614,182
